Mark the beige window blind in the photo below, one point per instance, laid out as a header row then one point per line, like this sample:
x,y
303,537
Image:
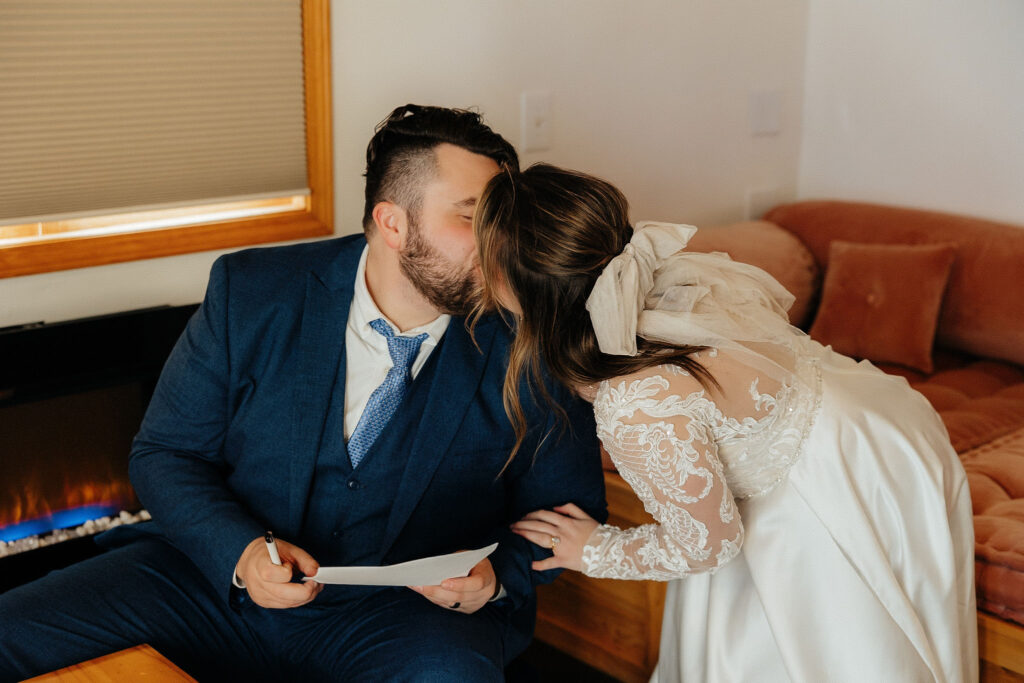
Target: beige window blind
x,y
110,106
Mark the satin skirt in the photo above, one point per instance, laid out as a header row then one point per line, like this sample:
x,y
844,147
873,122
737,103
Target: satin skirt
x,y
859,566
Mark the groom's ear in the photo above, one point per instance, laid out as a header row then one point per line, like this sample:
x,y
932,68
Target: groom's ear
x,y
392,223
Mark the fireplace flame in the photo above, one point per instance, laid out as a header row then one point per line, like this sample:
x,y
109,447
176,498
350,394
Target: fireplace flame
x,y
39,502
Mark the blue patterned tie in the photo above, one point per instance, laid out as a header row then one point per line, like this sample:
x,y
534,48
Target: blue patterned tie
x,y
385,399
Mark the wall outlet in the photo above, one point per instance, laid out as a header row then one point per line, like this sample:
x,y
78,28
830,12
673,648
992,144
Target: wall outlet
x,y
536,120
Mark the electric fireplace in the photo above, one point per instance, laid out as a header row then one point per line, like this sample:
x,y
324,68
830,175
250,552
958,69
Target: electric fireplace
x,y
72,395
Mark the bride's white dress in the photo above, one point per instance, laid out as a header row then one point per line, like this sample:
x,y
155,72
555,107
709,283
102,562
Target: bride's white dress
x,y
812,518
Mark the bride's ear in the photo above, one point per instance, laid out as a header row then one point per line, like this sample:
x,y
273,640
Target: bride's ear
x,y
392,224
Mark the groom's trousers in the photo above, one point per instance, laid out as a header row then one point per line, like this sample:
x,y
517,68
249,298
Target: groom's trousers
x,y
149,592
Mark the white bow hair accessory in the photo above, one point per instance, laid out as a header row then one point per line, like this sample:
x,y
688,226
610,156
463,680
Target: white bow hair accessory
x,y
619,292
660,292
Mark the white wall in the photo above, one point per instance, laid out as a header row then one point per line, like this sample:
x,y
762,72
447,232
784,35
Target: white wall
x,y
917,103
651,94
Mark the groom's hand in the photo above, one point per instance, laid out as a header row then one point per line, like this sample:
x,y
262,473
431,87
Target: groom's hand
x,y
269,584
466,594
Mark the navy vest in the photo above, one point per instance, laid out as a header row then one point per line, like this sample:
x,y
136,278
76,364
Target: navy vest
x,y
347,510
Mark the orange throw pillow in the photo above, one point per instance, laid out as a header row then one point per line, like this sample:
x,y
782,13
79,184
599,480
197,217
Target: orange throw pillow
x,y
882,301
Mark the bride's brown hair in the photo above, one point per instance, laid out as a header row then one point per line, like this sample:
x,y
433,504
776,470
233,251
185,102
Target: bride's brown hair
x,y
544,235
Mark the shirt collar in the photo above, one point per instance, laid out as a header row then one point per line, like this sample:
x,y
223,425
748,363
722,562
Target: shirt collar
x,y
364,311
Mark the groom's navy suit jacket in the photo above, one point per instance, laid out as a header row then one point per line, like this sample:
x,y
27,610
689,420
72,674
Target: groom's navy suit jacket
x,y
245,433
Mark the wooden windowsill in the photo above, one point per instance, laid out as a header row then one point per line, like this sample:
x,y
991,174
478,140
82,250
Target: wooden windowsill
x,y
79,252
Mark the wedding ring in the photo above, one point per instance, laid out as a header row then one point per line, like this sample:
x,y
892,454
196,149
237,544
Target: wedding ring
x,y
455,605
555,540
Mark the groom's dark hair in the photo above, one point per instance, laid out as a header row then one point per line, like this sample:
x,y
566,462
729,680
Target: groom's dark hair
x,y
400,157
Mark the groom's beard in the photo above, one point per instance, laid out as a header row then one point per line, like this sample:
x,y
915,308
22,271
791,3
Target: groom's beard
x,y
451,288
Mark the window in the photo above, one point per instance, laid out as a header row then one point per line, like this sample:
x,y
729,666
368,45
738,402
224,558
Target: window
x,y
289,197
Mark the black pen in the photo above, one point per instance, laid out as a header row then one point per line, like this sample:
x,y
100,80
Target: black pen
x,y
272,548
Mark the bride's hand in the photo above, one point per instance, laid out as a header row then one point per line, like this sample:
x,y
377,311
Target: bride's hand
x,y
564,530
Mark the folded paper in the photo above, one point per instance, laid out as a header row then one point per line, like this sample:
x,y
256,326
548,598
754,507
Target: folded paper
x,y
426,571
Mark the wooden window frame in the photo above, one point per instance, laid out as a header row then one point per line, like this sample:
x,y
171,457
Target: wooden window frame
x,y
316,221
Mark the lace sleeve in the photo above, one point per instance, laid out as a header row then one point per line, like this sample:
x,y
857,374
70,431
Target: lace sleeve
x,y
663,446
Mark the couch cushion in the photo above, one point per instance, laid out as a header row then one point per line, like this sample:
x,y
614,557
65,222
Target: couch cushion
x,y
995,472
770,248
983,312
882,301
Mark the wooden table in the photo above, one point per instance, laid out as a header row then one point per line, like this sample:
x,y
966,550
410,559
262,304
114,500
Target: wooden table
x,y
139,663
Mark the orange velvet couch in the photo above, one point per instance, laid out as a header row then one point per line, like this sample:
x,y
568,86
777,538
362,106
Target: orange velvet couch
x,y
961,281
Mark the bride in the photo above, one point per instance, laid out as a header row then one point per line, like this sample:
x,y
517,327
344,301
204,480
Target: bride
x,y
813,520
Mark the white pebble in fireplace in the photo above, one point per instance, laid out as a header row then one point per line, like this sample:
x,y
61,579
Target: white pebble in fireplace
x,y
93,526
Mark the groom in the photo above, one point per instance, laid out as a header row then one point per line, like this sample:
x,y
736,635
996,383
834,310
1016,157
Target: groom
x,y
330,391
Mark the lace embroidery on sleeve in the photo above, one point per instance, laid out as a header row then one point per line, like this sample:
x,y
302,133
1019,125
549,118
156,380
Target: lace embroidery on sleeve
x,y
663,446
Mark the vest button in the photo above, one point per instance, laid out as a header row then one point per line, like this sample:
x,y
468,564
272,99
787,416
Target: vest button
x,y
354,484
335,534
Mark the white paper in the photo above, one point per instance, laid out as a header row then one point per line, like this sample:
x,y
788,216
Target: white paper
x,y
426,571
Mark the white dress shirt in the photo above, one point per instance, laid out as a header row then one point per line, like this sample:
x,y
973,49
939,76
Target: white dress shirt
x,y
367,359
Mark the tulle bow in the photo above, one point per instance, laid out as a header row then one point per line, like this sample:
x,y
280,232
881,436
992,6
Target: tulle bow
x,y
660,292
619,293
